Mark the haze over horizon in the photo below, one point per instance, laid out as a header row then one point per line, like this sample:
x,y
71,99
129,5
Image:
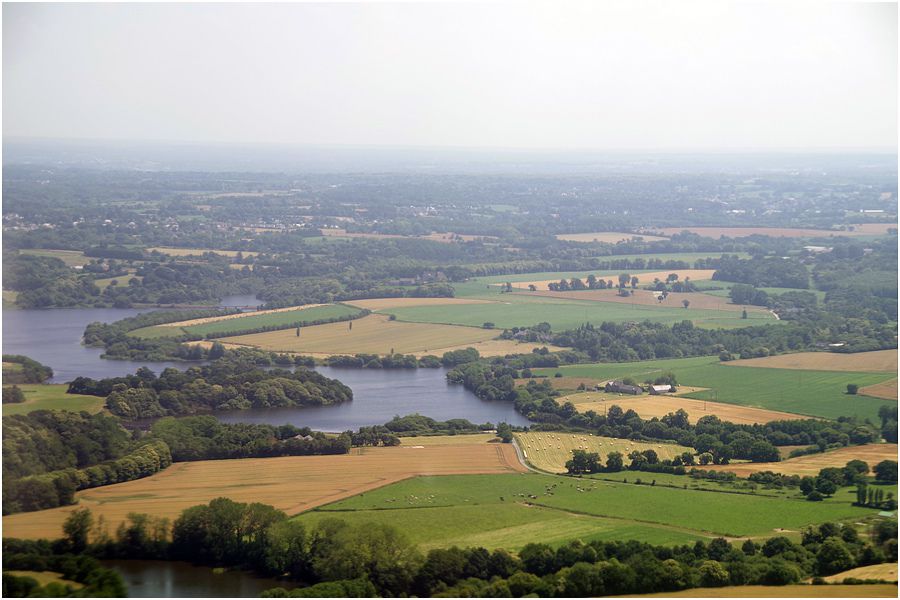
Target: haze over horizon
x,y
611,76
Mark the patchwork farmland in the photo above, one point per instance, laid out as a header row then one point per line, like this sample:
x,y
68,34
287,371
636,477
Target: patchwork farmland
x,y
292,484
802,392
509,511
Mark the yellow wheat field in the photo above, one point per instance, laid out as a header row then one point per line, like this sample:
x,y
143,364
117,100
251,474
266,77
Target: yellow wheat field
x,y
878,361
549,451
374,334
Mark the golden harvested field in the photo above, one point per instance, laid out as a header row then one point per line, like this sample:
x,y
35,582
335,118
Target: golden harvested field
x,y
886,571
200,251
388,303
813,463
873,228
694,274
659,406
549,451
886,390
878,361
374,334
789,232
292,484
608,237
237,316
783,591
648,298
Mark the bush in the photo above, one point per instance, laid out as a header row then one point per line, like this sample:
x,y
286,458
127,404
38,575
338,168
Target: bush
x,y
852,388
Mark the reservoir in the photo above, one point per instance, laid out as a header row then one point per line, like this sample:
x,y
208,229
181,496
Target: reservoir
x,y
53,337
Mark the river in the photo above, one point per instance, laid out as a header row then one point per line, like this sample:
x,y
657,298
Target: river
x,y
169,579
53,337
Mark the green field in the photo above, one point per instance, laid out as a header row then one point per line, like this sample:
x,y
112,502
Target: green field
x,y
510,511
251,321
9,299
820,295
52,397
814,393
121,280
518,310
557,275
72,258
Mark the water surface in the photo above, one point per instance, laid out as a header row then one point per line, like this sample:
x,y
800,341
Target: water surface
x,y
170,579
53,337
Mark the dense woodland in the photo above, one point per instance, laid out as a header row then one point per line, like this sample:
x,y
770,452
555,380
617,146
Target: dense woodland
x,y
229,383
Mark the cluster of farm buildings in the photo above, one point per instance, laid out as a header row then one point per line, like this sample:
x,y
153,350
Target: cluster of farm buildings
x,y
620,387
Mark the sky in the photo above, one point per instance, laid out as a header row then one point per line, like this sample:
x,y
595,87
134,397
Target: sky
x,y
635,75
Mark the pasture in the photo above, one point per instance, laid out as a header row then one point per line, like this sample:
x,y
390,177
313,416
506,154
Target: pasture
x,y
511,510
550,450
292,484
641,297
285,317
788,232
880,590
45,577
72,258
802,392
658,406
607,237
811,464
644,277
121,280
522,310
878,361
39,396
379,304
374,334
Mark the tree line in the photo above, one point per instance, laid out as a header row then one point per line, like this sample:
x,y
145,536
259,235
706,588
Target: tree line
x,y
368,559
28,370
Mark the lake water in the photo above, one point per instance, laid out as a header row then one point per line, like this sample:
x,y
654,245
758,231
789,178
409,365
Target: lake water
x,y
53,337
165,579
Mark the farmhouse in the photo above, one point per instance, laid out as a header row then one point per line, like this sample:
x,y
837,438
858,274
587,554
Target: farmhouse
x,y
622,388
656,390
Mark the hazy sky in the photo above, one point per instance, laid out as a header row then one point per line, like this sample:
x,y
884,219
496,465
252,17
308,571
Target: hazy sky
x,y
560,75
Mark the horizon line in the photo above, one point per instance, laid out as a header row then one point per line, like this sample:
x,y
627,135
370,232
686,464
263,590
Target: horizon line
x,y
466,148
